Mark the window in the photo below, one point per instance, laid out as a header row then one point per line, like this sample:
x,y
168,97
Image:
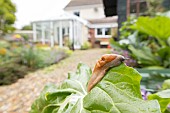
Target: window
x,y
77,13
103,32
99,31
107,31
95,9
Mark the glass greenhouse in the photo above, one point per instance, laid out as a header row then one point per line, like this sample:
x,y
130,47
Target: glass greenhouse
x,y
67,29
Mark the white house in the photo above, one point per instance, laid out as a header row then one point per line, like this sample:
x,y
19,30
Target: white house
x,y
84,20
101,29
86,9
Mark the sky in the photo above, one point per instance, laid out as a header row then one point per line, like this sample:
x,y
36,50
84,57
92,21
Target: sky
x,y
33,10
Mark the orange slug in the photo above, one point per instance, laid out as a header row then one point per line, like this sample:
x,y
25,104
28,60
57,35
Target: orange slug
x,y
102,65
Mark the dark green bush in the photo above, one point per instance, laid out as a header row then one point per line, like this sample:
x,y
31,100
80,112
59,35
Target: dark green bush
x,y
11,72
17,59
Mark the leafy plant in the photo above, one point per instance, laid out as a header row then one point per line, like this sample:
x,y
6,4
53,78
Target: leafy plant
x,y
4,44
31,58
145,56
11,71
119,91
163,98
158,27
164,54
17,59
147,39
86,45
166,84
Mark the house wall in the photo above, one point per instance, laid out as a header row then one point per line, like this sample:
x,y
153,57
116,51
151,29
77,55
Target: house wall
x,y
89,12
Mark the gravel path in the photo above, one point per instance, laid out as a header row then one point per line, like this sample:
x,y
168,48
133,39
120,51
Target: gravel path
x,y
18,97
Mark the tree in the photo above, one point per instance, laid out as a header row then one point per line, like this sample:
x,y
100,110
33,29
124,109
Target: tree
x,y
7,16
27,27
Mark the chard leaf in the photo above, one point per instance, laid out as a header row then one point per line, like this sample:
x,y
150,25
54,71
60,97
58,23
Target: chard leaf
x,y
64,98
82,75
118,92
163,98
41,102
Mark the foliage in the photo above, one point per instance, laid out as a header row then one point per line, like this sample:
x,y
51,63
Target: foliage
x,y
163,96
25,37
43,56
86,45
31,58
158,27
154,80
166,84
27,27
4,44
119,91
145,59
17,59
7,16
148,41
125,30
10,72
117,50
154,6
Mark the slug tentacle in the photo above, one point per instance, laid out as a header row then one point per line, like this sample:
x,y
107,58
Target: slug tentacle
x,y
102,65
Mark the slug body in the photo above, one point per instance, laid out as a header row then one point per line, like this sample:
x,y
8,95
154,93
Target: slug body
x,y
102,65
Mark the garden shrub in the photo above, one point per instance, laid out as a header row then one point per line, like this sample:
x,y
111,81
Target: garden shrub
x,y
11,72
4,44
41,57
86,45
31,57
17,59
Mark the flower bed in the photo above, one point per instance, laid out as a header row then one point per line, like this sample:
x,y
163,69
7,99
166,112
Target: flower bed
x,y
18,58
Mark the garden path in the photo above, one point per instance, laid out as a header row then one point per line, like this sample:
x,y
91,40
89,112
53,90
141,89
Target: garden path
x,y
18,97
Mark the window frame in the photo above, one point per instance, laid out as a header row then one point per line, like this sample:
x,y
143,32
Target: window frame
x,y
103,33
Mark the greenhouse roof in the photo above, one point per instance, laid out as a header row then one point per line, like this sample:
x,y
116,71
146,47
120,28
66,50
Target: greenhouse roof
x,y
65,16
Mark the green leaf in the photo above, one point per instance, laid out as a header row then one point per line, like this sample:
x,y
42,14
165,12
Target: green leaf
x,y
157,27
145,56
81,76
63,98
41,102
166,84
163,98
50,108
164,54
119,92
